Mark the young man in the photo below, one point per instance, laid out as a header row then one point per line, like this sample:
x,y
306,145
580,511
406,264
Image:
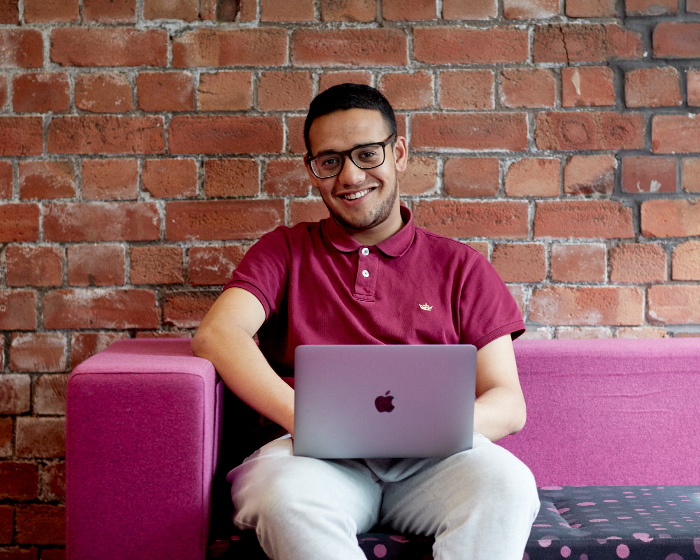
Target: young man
x,y
364,276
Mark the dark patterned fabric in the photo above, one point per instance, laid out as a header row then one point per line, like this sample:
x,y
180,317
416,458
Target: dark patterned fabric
x,y
576,522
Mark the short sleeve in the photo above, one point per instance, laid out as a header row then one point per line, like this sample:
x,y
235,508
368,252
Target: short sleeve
x,y
264,271
487,308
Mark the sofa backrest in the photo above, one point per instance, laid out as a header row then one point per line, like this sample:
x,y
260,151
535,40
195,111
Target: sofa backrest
x,y
610,412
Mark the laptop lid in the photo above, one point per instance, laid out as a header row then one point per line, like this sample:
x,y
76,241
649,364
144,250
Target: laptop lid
x,y
369,401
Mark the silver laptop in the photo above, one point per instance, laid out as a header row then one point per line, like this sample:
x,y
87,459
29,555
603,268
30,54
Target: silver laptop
x,y
372,401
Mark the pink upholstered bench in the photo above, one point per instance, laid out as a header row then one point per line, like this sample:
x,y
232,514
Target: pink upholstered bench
x,y
144,431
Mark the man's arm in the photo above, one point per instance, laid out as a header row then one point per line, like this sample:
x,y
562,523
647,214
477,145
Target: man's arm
x,y
225,338
500,406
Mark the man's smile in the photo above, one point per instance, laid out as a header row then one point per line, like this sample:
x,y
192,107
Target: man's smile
x,y
357,194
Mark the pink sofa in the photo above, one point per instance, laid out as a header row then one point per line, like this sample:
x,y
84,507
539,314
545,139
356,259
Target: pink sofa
x,y
145,425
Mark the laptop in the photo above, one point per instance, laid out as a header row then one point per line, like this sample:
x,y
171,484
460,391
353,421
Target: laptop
x,y
372,401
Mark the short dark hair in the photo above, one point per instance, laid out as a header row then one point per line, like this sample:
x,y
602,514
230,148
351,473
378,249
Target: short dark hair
x,y
348,96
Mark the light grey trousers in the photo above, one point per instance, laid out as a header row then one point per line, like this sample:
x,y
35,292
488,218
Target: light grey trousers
x,y
479,504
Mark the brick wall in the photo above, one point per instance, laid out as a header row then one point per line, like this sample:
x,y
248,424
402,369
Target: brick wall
x,y
145,144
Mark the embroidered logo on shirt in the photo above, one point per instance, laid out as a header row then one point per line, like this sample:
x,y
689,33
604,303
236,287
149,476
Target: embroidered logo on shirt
x,y
425,306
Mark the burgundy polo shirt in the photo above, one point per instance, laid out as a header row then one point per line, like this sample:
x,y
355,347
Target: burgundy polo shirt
x,y
318,285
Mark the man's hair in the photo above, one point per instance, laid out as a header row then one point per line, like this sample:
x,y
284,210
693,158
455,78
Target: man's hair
x,y
348,96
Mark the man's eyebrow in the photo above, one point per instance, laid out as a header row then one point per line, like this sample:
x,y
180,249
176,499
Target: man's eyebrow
x,y
326,152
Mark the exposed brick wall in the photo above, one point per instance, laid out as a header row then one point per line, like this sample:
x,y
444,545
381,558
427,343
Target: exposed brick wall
x,y
145,144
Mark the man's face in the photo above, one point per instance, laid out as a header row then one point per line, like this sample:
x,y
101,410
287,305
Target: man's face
x,y
363,201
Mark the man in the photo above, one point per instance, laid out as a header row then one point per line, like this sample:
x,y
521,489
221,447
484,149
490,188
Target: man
x,y
360,277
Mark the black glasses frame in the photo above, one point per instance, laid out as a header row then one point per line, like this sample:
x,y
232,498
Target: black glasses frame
x,y
348,153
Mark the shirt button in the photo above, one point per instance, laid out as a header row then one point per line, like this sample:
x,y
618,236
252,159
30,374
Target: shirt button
x,y
365,273
365,251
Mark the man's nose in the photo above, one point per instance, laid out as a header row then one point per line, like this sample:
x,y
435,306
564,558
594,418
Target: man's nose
x,y
350,174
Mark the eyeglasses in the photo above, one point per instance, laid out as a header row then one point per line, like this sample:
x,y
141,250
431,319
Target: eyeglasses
x,y
367,156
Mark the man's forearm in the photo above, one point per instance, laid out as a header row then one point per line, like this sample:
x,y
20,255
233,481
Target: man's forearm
x,y
499,412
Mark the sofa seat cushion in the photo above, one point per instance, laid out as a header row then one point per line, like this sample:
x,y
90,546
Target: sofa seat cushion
x,y
601,522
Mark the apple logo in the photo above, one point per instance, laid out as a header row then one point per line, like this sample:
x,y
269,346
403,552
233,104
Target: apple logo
x,y
383,403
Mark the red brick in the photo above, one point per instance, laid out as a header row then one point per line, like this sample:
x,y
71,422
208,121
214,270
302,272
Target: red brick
x,y
157,265
674,305
224,134
231,47
468,177
280,91
46,179
40,524
600,305
187,10
469,131
408,10
16,553
53,554
187,309
103,92
648,174
19,222
33,266
585,43
295,125
420,177
307,211
467,89
6,179
641,332
693,6
211,266
691,174
581,262
21,136
519,263
686,261
653,87
40,437
693,87
6,522
101,221
578,333
469,9
9,11
165,91
591,8
675,39
675,133
349,47
531,9
670,218
49,11
638,262
650,7
286,177
40,93
231,177
283,10
106,135
533,177
329,79
527,87
602,130
17,310
100,309
473,219
110,179
589,174
603,219
3,91
587,86
50,394
408,91
225,91
349,10
15,391
170,178
457,45
84,345
104,46
18,481
53,479
6,430
21,48
109,11
222,219
96,265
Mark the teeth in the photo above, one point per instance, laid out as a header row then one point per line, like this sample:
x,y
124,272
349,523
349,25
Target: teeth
x,y
356,195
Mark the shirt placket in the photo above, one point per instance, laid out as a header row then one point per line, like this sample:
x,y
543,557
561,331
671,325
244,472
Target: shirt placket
x,y
366,274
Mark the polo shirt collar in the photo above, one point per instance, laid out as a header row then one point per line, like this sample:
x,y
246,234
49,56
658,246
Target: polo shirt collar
x,y
394,246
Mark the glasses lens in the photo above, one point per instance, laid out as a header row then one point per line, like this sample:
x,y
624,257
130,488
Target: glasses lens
x,y
367,157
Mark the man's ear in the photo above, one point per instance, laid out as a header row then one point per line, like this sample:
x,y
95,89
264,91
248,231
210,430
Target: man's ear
x,y
401,153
